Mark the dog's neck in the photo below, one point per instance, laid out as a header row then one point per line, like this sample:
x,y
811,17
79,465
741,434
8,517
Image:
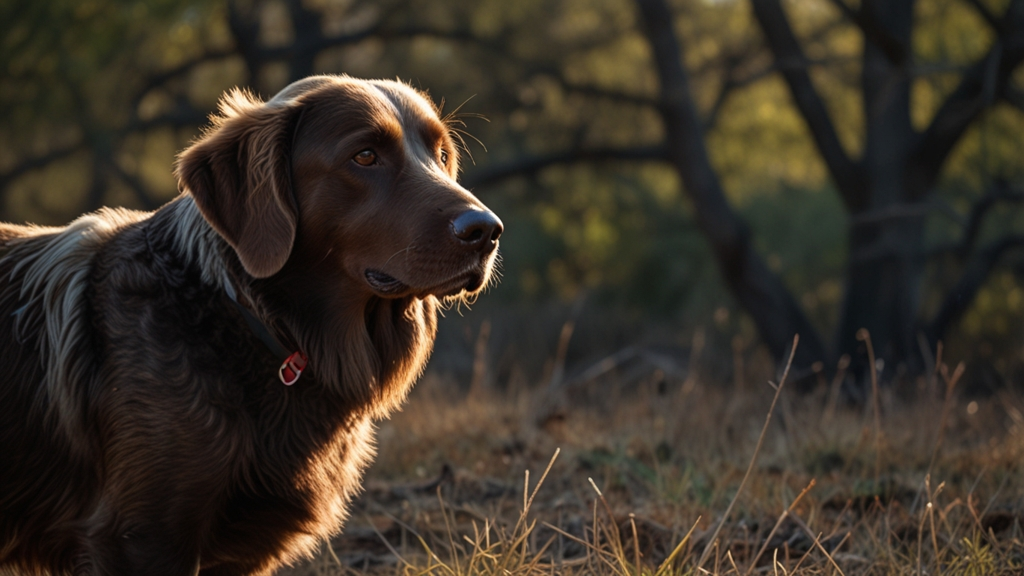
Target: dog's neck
x,y
366,349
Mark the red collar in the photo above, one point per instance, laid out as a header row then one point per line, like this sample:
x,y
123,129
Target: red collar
x,y
294,362
292,368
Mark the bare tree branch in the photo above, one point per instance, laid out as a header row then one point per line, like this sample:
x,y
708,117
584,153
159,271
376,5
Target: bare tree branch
x,y
308,32
309,47
975,273
986,14
973,222
980,85
36,162
893,49
245,28
97,186
729,85
845,173
553,71
530,165
1001,191
183,116
616,96
1014,97
159,79
141,191
937,68
726,90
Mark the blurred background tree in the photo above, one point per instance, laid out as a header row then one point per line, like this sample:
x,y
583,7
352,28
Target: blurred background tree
x,y
763,167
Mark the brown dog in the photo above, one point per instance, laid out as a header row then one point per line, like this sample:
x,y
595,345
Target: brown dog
x,y
154,414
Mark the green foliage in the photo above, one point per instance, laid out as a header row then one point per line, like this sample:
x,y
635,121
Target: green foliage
x,y
802,235
64,61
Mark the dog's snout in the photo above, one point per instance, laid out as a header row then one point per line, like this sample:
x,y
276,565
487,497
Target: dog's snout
x,y
477,228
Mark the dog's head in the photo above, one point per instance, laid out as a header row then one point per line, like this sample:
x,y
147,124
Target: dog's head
x,y
356,178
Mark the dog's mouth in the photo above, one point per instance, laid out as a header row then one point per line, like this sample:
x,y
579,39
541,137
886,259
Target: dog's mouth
x,y
384,284
388,286
468,281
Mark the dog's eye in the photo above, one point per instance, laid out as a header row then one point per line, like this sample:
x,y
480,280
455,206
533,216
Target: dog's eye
x,y
366,158
444,157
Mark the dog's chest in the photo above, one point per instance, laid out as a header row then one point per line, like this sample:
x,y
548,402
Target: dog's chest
x,y
290,497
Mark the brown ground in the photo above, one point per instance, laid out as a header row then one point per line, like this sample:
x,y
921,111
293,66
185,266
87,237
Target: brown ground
x,y
446,493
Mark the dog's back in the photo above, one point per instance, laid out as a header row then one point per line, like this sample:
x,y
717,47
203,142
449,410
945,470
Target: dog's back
x,y
48,469
41,476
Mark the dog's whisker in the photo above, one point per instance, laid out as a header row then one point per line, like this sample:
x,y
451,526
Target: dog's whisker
x,y
392,257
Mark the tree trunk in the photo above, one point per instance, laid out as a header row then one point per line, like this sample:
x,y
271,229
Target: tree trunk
x,y
885,260
885,192
756,288
884,270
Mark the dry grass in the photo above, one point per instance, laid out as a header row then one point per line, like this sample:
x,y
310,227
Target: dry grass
x,y
465,484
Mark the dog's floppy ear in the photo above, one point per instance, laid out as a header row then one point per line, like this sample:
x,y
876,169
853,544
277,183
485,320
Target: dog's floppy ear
x,y
239,175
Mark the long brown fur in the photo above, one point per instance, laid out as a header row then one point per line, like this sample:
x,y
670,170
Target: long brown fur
x,y
143,428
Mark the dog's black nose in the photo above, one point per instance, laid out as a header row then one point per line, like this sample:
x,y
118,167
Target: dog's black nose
x,y
477,228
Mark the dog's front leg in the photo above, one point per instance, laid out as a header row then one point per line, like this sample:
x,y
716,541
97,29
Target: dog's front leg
x,y
116,546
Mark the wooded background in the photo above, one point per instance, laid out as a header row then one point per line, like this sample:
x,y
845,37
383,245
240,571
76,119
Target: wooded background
x,y
758,168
